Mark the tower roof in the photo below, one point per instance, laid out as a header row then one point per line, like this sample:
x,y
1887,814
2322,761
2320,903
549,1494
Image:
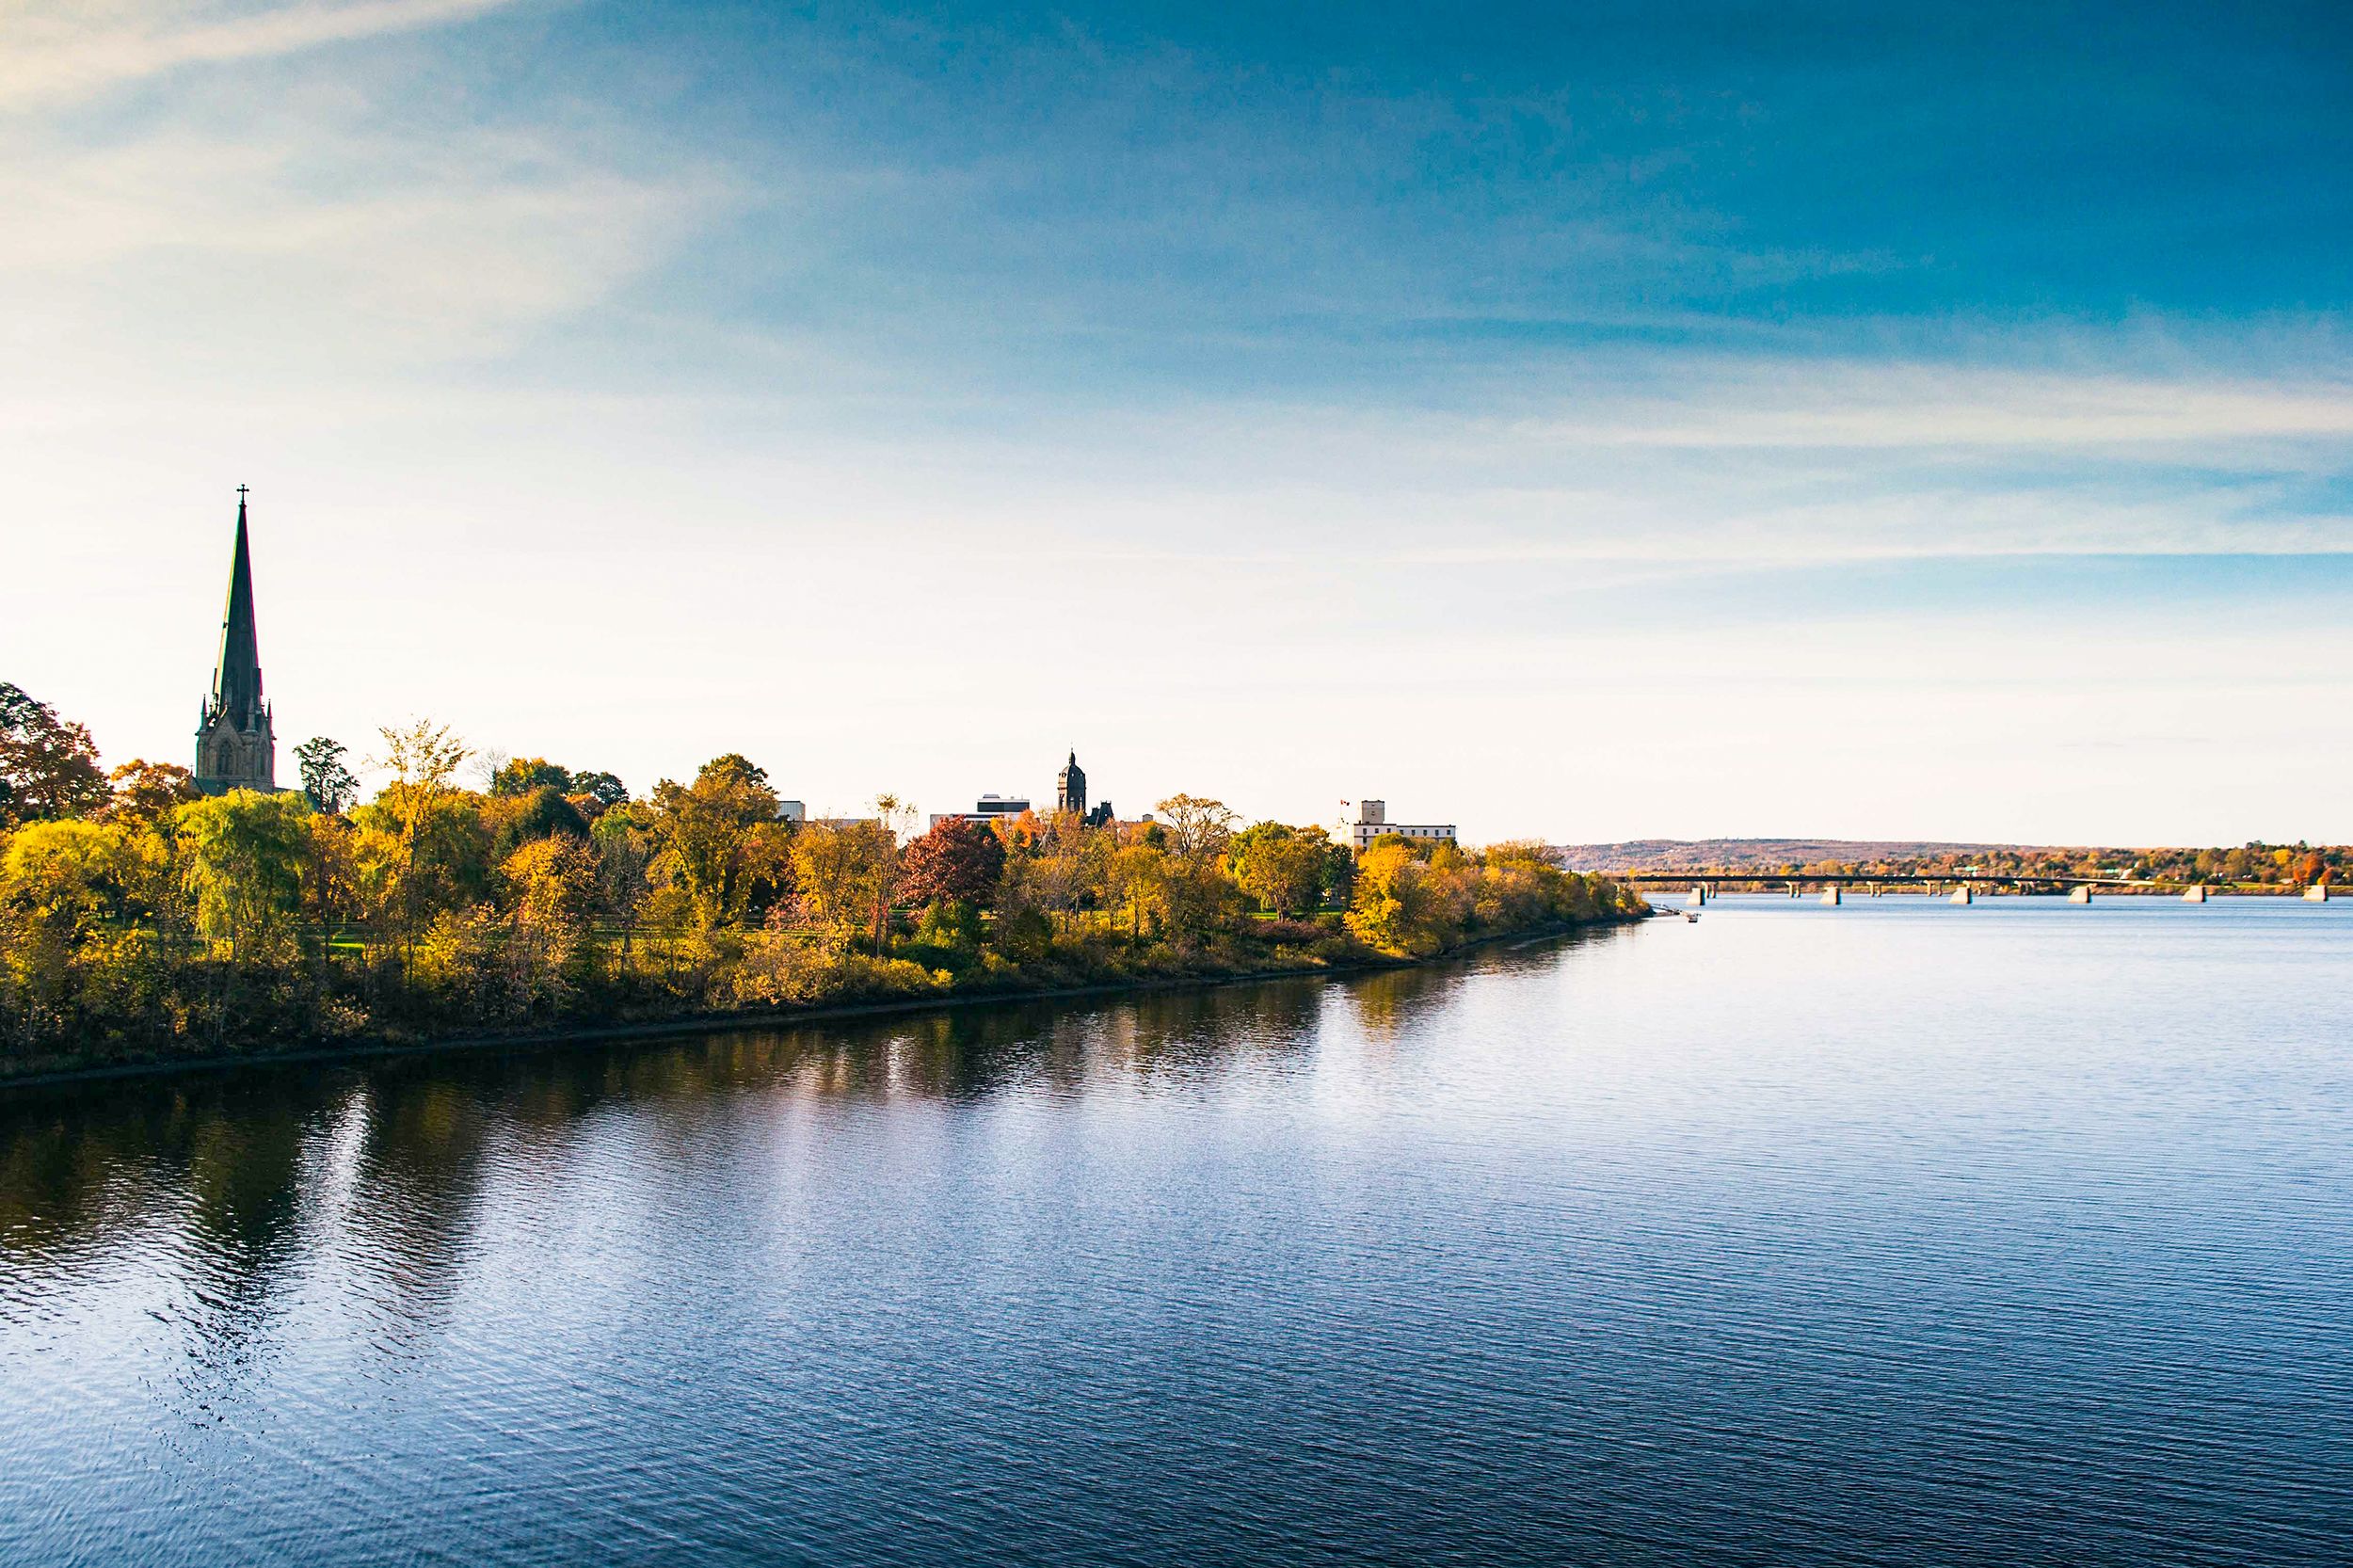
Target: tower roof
x,y
237,672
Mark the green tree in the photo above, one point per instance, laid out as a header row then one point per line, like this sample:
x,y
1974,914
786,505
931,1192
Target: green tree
x,y
605,789
326,778
244,865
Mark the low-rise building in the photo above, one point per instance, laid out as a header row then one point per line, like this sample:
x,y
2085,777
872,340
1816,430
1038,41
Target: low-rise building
x,y
1363,821
988,807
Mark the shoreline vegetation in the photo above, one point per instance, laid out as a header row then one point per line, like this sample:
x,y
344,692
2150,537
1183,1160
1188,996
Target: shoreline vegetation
x,y
143,925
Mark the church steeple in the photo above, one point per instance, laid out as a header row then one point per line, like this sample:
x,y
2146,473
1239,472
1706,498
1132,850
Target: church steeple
x,y
237,673
236,748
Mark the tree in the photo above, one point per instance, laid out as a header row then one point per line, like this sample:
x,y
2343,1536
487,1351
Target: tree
x,y
422,756
840,872
552,889
144,793
541,812
894,816
67,876
48,767
1286,869
1138,882
1198,828
1067,868
624,843
520,776
325,779
603,787
959,861
245,852
706,827
1391,907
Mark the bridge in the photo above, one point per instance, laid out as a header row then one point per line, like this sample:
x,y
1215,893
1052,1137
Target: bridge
x,y
1707,884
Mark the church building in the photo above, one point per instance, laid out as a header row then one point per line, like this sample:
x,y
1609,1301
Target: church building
x,y
235,746
1070,794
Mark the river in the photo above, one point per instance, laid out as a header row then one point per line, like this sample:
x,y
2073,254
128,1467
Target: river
x,y
1894,1233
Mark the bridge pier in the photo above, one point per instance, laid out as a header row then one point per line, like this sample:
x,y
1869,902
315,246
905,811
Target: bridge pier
x,y
2316,893
1699,895
2081,895
2196,895
1831,895
1963,894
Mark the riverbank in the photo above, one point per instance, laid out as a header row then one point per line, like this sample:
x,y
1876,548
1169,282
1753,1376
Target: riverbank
x,y
69,1071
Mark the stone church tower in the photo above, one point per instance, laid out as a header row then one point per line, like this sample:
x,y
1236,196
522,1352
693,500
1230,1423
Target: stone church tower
x,y
1070,788
236,747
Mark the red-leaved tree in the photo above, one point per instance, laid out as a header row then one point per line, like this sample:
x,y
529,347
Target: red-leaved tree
x,y
959,859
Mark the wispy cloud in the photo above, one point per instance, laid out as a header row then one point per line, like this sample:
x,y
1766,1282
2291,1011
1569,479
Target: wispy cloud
x,y
1849,404
420,252
51,53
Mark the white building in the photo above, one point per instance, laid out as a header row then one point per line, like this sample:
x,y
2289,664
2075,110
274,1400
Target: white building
x,y
1364,821
986,809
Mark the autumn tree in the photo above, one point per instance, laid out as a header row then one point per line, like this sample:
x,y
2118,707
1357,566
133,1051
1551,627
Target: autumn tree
x,y
144,793
541,812
625,845
1286,869
841,872
552,889
48,767
959,861
1138,882
520,776
1198,828
422,758
1392,909
705,830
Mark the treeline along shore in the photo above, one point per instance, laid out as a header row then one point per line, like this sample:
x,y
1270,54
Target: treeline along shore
x,y
141,922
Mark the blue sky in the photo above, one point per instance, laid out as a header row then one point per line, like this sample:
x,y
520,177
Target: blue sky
x,y
1650,420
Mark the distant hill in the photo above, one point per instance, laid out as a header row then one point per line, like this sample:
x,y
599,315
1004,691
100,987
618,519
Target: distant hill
x,y
1729,855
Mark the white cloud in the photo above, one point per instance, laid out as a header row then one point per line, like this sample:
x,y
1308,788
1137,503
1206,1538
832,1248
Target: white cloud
x,y
356,247
51,53
1849,404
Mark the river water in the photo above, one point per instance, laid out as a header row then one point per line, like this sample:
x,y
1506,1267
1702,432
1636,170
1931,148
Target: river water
x,y
1895,1233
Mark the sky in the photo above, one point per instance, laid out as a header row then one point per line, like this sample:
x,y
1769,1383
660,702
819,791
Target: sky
x,y
1643,420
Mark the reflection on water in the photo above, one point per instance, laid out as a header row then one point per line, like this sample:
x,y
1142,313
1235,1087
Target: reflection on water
x,y
1856,1236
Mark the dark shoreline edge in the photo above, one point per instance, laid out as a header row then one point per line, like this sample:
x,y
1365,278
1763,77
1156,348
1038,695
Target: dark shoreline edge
x,y
742,1018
